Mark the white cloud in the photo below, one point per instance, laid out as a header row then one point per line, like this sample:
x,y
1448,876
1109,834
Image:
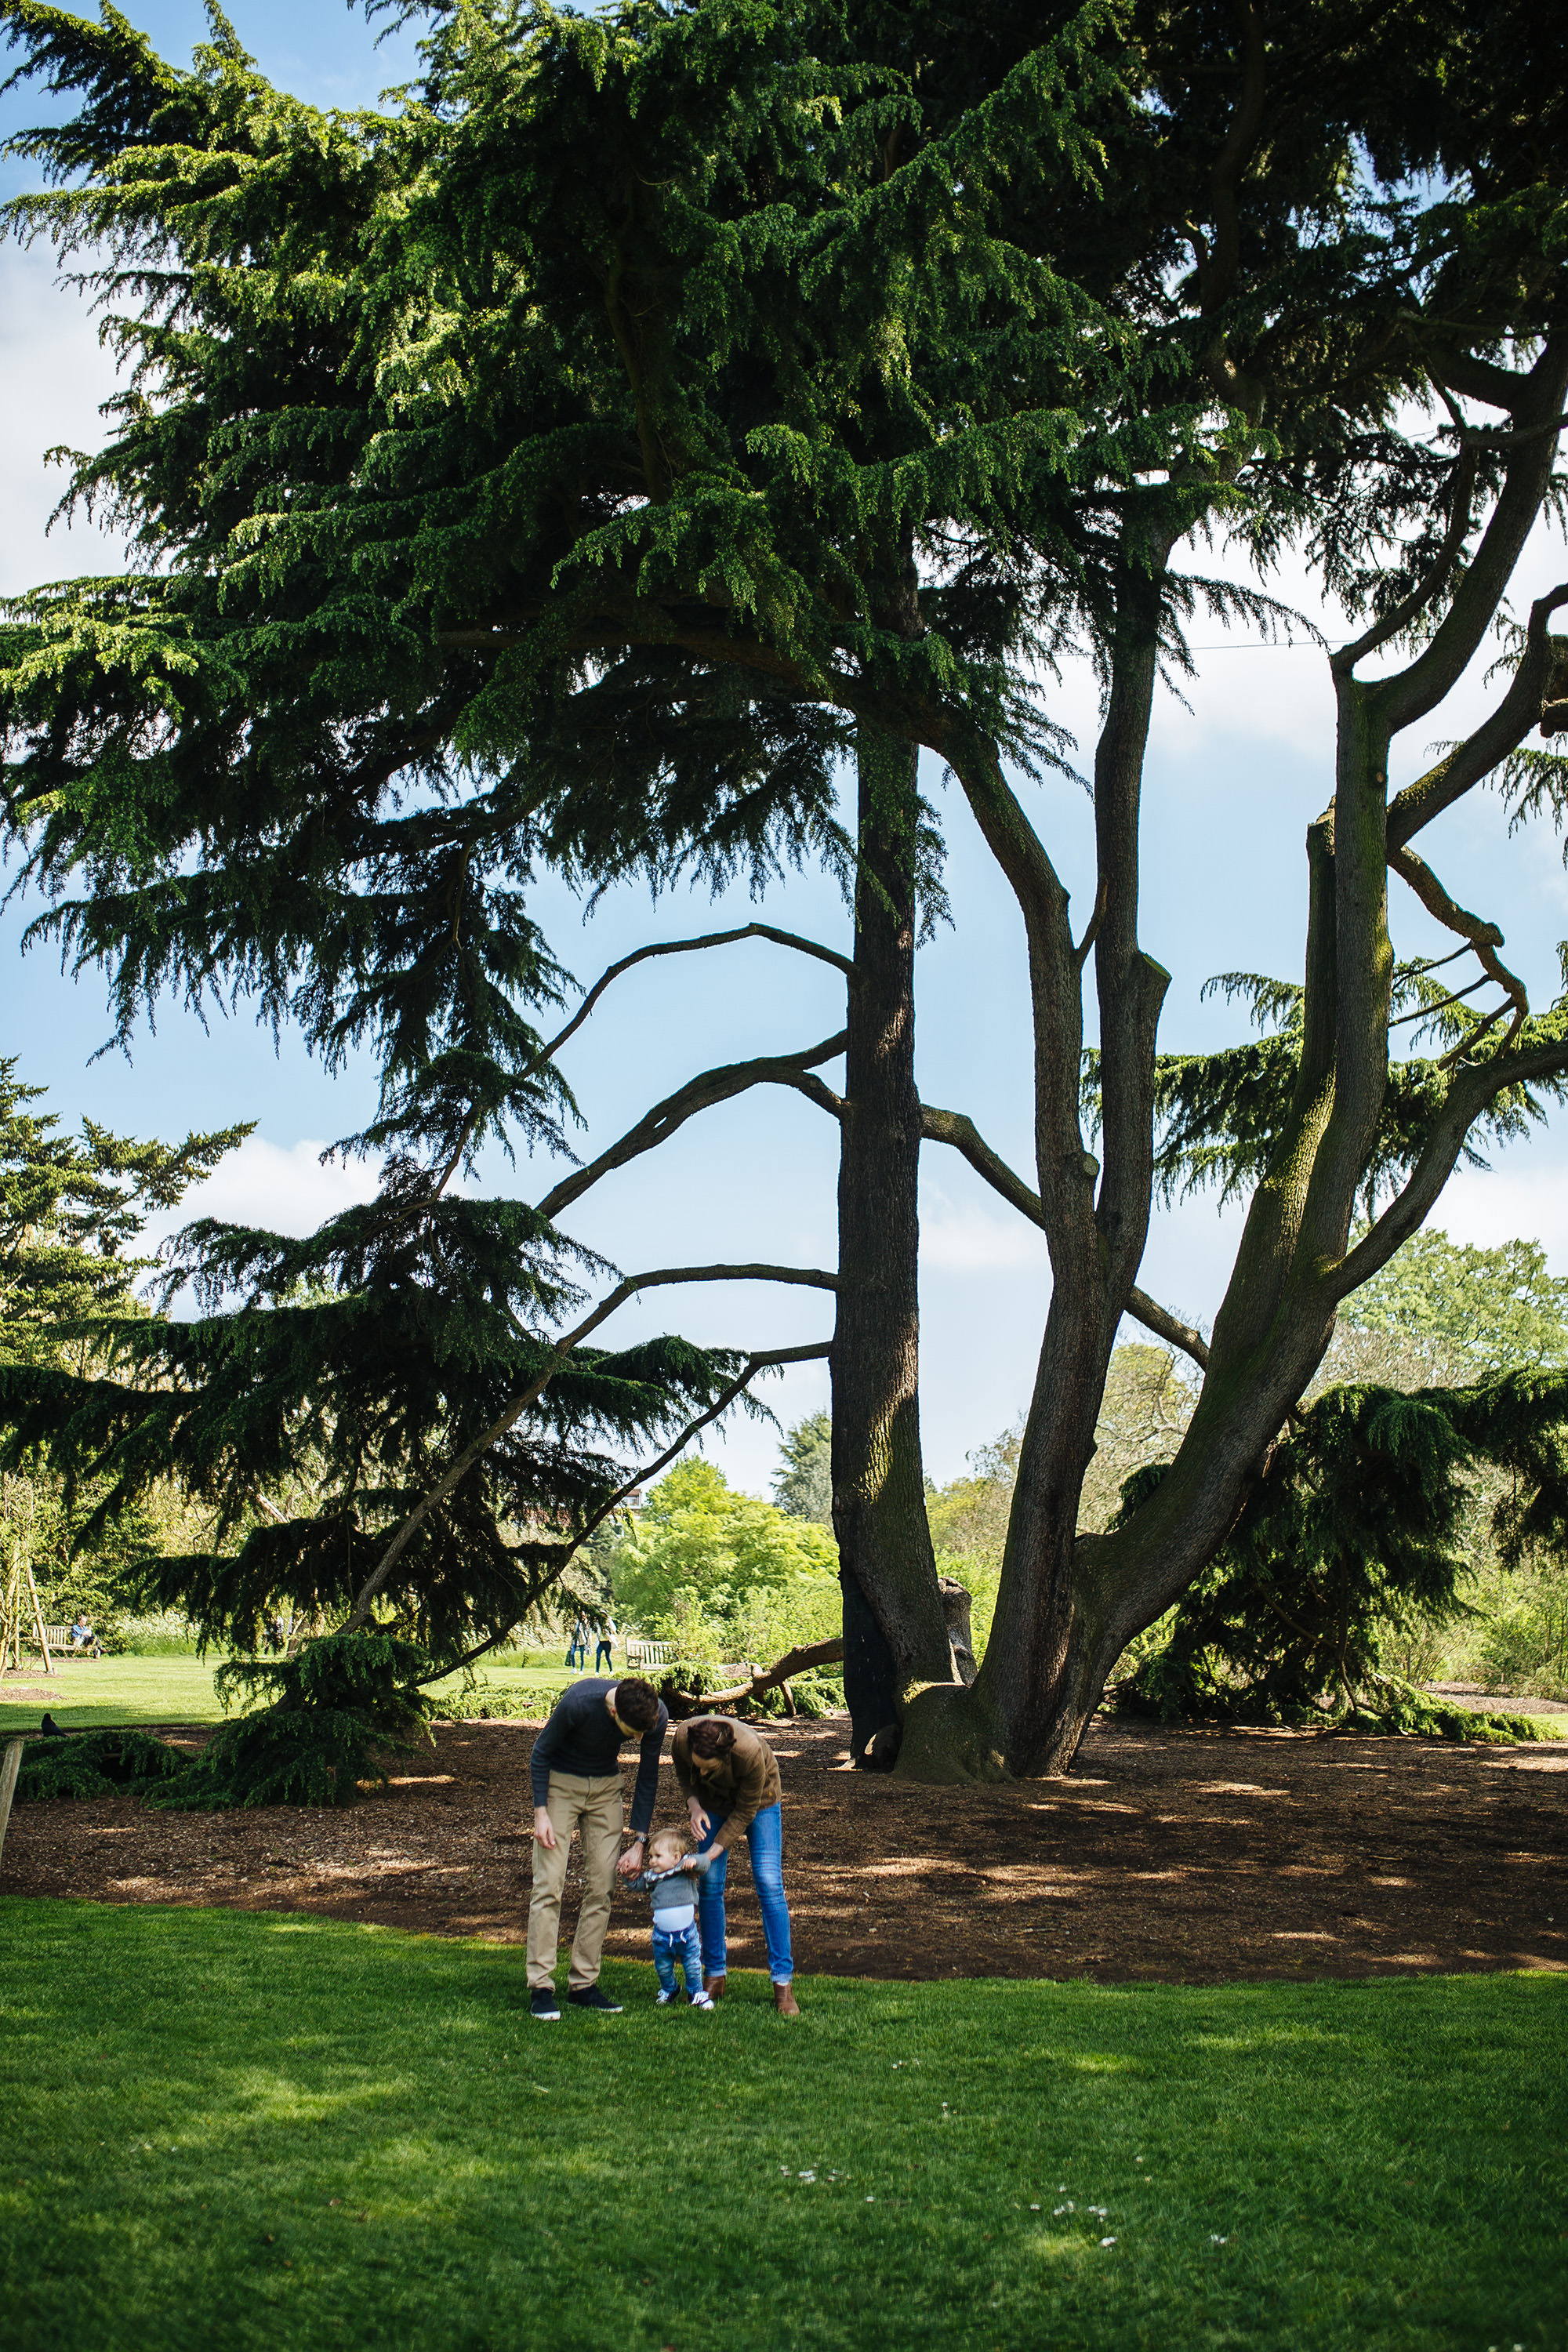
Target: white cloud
x,y
282,1188
958,1238
53,375
1528,1199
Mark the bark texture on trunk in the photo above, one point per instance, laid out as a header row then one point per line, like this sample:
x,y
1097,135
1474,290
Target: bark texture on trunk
x,y
1069,1604
895,1634
1029,1702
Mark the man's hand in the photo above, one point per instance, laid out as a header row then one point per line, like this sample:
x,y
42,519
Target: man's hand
x,y
542,1829
630,1862
698,1819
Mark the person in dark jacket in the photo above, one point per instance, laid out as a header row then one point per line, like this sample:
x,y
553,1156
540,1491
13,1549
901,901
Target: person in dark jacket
x,y
575,1769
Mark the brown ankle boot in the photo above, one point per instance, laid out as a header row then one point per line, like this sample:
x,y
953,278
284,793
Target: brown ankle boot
x,y
714,1988
784,2000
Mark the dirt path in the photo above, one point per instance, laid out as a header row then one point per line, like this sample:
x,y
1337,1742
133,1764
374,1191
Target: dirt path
x,y
1182,1855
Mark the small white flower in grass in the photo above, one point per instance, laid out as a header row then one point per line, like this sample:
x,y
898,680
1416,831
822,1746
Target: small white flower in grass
x,y
871,2201
1033,2209
1224,2242
1108,2241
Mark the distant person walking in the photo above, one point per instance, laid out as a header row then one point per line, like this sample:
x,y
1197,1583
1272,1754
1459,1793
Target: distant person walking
x,y
729,1779
577,1646
604,1652
575,1769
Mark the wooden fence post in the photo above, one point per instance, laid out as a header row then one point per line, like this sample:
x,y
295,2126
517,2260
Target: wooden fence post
x,y
9,1768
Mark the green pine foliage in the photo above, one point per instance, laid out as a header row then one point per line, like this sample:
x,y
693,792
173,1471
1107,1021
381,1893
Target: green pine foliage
x,y
1352,1534
1221,1115
802,1483
332,1716
454,451
72,1212
98,1764
357,1367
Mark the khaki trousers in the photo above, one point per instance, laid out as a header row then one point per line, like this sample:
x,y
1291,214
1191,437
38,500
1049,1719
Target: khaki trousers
x,y
592,1808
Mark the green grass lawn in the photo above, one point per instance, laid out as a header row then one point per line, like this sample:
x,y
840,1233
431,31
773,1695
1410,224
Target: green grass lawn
x,y
232,2130
180,1690
115,1690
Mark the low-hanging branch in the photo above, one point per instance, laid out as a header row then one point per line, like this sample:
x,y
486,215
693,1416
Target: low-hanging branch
x,y
700,1093
801,1661
813,1277
764,1360
688,947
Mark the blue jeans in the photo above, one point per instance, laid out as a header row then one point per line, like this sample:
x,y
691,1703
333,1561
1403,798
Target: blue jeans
x,y
684,1945
766,1838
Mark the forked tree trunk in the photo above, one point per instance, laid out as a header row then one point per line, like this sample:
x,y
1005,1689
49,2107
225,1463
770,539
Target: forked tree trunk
x,y
895,1633
1045,1659
1067,1604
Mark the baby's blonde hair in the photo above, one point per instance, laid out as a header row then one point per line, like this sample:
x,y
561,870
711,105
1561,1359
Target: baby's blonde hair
x,y
674,1844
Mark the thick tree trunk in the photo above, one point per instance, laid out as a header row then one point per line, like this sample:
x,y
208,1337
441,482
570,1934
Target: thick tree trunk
x,y
1046,1659
895,1634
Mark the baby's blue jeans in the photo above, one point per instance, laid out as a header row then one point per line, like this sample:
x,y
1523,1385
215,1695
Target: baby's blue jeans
x,y
685,1946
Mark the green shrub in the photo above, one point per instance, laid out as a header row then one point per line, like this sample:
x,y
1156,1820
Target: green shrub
x,y
341,1706
1410,1714
98,1764
1525,1645
488,1699
167,1633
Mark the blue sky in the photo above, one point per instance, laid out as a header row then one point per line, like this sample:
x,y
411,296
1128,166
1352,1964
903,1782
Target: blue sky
x,y
1233,783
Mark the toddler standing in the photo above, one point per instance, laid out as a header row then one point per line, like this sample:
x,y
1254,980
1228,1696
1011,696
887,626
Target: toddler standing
x,y
666,1882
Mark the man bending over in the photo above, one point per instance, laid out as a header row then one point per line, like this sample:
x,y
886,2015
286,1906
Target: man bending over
x,y
576,1773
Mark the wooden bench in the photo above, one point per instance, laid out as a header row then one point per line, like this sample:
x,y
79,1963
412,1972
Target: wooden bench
x,y
58,1638
650,1654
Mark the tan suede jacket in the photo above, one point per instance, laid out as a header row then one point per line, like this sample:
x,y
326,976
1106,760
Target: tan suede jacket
x,y
740,1784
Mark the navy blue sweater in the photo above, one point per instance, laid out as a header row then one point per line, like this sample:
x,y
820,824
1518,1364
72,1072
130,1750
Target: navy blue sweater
x,y
582,1737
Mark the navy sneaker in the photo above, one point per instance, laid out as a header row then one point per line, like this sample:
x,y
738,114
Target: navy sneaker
x,y
545,2007
591,1998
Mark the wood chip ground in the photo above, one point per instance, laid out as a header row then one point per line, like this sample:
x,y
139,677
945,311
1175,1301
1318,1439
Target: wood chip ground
x,y
1166,1856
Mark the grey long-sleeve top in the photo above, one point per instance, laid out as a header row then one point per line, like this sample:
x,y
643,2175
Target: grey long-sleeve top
x,y
582,1737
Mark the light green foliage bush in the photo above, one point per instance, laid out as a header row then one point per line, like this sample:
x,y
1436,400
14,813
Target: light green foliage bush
x,y
1445,1314
1523,1641
722,1575
1442,1315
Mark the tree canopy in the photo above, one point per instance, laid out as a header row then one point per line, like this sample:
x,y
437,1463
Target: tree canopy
x,y
579,459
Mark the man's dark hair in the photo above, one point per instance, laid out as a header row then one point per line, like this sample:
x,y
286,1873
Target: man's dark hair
x,y
712,1736
636,1703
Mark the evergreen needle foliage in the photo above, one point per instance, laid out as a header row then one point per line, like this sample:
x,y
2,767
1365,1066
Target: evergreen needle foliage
x,y
1352,1530
335,1712
99,1764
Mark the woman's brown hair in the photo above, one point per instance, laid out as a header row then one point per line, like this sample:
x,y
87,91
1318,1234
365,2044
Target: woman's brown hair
x,y
712,1736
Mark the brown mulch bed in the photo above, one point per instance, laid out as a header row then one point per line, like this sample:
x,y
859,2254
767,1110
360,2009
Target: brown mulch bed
x,y
1180,1855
